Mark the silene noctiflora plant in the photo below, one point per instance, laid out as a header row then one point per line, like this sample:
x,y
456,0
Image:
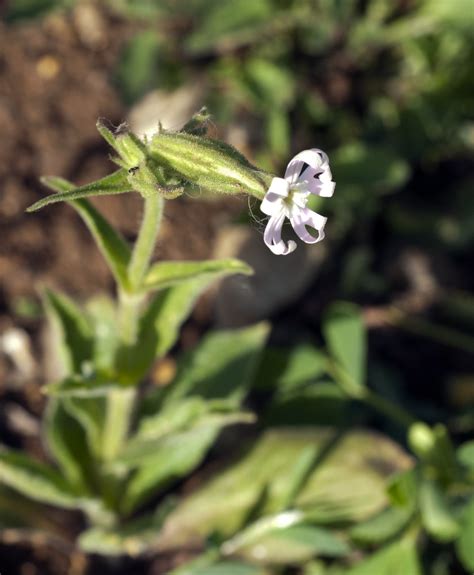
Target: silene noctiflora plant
x,y
308,492
116,446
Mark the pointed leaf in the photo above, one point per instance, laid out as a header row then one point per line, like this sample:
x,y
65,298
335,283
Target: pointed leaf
x,y
89,413
187,414
36,480
294,545
223,365
103,316
465,454
116,183
464,545
171,460
207,566
382,527
437,517
346,339
85,387
141,448
67,443
287,370
160,324
17,511
165,274
400,558
76,335
114,248
224,503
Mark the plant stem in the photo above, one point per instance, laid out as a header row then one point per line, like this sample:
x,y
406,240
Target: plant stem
x,y
130,302
120,404
145,244
388,408
362,393
129,315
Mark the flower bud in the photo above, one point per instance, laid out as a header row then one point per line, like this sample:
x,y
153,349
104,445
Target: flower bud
x,y
208,163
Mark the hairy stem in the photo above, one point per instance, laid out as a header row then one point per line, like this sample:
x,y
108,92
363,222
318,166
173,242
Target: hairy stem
x,y
119,411
145,244
130,302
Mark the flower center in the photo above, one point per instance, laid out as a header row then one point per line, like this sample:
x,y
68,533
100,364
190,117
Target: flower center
x,y
297,195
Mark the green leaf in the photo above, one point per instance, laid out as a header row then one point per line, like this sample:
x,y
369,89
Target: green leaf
x,y
379,529
320,541
437,517
465,454
286,545
345,336
272,83
17,511
103,316
464,546
321,403
112,245
202,567
143,447
363,170
116,183
223,504
299,474
403,489
166,274
184,414
89,412
137,70
94,386
222,366
172,458
287,370
75,332
400,558
161,322
369,460
67,443
234,24
36,480
132,537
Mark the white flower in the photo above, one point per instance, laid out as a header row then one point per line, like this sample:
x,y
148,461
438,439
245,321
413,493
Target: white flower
x,y
307,173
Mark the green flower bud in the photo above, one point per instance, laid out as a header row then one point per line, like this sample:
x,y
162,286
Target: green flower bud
x,y
210,164
147,178
421,440
131,150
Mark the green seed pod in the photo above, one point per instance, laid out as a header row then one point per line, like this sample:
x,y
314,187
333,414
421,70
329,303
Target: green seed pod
x,y
209,164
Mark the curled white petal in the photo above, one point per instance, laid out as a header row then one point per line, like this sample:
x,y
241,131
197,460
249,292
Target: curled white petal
x,y
319,187
315,158
272,236
300,218
278,190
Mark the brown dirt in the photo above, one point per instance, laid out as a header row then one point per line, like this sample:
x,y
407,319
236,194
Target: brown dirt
x,y
54,84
